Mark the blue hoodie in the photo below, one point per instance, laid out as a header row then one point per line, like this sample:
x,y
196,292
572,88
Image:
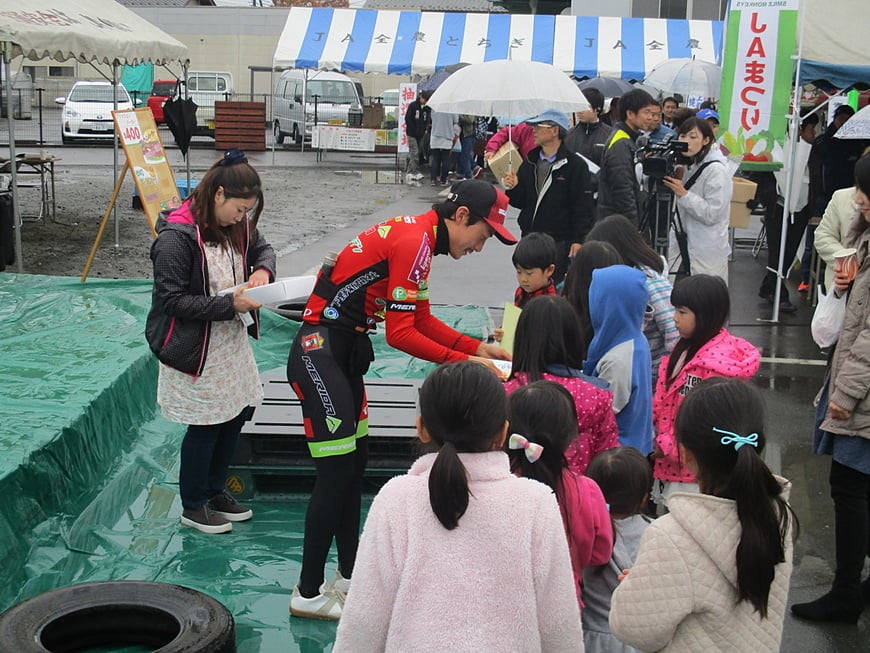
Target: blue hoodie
x,y
619,352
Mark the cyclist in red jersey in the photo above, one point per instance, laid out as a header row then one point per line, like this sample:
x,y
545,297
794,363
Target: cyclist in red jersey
x,y
380,276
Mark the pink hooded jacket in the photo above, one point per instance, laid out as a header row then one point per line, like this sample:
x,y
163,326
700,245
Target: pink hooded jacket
x,y
723,355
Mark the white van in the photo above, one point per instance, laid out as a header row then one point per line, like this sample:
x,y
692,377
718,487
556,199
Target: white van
x,y
330,98
206,88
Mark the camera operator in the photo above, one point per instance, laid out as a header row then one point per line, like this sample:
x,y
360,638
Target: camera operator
x,y
703,198
618,187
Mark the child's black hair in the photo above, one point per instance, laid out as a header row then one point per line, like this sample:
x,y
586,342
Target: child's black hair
x,y
625,478
593,255
707,297
535,250
543,412
721,422
463,408
620,232
548,333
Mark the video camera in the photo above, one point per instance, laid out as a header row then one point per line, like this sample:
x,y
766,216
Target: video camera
x,y
659,160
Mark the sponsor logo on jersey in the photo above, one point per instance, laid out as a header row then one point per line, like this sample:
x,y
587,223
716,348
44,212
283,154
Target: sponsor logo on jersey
x,y
312,342
400,293
384,230
330,313
420,267
332,423
356,246
402,307
352,286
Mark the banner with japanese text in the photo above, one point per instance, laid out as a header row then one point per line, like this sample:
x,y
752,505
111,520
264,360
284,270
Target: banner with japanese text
x,y
757,75
407,94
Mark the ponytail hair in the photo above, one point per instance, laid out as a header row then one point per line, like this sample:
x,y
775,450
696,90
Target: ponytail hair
x,y
463,408
543,412
721,422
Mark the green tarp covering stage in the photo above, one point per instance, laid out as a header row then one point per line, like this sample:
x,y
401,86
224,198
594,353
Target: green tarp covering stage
x,y
88,468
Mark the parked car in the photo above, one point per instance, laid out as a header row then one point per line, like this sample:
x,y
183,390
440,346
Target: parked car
x,y
162,90
205,88
390,100
87,110
330,98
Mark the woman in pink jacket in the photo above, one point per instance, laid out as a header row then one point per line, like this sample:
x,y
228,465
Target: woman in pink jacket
x,y
705,348
542,426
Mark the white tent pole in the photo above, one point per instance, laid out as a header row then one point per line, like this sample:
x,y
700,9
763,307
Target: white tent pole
x,y
272,104
16,210
184,68
304,109
115,152
787,215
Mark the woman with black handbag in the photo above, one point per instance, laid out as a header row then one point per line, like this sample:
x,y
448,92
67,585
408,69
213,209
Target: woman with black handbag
x,y
703,198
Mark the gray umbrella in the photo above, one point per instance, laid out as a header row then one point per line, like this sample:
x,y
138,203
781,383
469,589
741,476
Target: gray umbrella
x,y
609,86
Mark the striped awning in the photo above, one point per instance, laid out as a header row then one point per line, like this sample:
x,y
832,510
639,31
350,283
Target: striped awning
x,y
409,42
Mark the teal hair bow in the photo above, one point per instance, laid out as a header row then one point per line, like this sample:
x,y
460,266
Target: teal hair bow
x,y
737,440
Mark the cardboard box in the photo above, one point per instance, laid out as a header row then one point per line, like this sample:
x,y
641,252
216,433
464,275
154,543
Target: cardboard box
x,y
743,191
508,156
373,116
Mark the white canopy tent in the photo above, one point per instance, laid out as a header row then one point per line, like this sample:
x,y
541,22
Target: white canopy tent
x,y
89,31
835,45
831,46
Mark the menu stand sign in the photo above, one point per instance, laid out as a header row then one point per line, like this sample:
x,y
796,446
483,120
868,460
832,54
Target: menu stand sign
x,y
146,159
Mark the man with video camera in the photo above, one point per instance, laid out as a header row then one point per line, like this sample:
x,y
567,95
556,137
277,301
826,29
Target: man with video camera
x,y
618,188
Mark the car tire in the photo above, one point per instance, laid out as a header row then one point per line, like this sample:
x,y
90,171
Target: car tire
x,y
168,618
279,135
66,140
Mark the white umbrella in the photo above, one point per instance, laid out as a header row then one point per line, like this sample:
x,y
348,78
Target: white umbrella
x,y
508,88
857,127
695,79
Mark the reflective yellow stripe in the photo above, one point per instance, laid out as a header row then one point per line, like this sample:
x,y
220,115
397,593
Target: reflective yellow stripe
x,y
332,447
618,135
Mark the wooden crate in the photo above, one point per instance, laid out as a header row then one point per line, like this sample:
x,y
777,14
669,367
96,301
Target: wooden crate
x,y
240,124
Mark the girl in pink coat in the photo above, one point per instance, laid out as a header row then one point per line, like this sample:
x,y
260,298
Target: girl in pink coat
x,y
705,348
542,424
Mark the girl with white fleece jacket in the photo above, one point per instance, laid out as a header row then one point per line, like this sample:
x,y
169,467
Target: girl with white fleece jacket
x,y
459,554
712,575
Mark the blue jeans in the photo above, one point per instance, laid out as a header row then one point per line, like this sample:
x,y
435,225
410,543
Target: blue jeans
x,y
466,157
205,459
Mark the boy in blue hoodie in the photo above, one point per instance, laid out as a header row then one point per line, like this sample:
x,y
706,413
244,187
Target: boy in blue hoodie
x,y
619,352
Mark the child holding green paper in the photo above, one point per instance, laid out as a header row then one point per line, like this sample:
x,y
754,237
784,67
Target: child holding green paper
x,y
535,261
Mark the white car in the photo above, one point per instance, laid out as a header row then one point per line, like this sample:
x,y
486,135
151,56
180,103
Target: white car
x,y
390,100
87,110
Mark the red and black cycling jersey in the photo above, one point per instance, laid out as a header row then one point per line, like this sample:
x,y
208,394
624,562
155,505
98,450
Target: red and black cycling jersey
x,y
382,275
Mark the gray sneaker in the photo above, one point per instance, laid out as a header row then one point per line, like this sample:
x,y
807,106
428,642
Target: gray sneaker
x,y
205,520
227,507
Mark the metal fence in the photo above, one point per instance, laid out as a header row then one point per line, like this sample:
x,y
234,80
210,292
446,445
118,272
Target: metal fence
x,y
41,123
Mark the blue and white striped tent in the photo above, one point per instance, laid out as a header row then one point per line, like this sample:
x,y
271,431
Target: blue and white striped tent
x,y
410,42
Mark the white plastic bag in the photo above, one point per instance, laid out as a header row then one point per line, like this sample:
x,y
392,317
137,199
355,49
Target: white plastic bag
x,y
828,318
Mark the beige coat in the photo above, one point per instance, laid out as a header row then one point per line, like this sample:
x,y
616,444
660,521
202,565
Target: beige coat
x,y
681,593
833,229
850,369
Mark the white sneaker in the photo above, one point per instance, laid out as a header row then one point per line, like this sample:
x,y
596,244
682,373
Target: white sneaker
x,y
340,583
326,605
